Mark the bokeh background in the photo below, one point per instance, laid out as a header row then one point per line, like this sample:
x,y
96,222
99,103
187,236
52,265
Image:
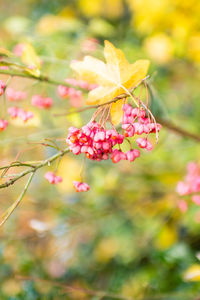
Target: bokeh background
x,y
126,237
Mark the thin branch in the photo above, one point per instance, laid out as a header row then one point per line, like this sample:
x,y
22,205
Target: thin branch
x,y
180,131
41,78
17,164
10,210
68,288
34,168
166,123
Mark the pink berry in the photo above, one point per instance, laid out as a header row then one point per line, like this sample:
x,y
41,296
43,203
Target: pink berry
x,y
3,124
52,178
13,95
81,186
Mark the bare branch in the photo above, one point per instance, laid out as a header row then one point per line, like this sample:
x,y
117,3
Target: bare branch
x,y
10,210
34,168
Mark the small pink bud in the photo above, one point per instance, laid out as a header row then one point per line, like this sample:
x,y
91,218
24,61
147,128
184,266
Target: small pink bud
x,y
142,142
52,178
3,124
81,186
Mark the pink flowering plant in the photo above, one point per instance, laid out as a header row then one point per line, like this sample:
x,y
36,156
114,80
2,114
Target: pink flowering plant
x,y
121,128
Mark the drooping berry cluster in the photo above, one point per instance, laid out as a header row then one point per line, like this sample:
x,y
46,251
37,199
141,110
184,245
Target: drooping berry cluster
x,y
191,183
75,96
81,186
134,121
16,112
93,140
98,143
41,102
3,124
13,95
53,178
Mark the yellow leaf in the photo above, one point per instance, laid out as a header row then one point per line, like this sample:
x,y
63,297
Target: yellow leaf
x,y
114,77
30,58
192,273
116,112
166,238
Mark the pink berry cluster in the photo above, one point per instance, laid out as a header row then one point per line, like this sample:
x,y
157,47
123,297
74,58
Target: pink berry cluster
x,y
41,102
81,186
98,143
16,112
3,124
13,95
134,121
75,96
191,183
53,178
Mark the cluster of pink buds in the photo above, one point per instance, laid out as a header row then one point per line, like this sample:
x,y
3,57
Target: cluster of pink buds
x,y
81,186
99,143
96,142
13,95
3,124
41,102
2,87
52,178
75,96
16,112
134,121
191,184
81,84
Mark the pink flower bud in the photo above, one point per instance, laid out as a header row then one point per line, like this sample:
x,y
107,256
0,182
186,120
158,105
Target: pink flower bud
x,y
52,178
3,124
13,95
130,155
142,142
41,102
81,186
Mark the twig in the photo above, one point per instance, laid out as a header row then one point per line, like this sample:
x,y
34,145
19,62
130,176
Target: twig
x,y
42,78
167,124
10,210
34,168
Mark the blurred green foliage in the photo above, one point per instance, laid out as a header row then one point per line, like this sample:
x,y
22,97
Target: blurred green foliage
x,y
126,236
